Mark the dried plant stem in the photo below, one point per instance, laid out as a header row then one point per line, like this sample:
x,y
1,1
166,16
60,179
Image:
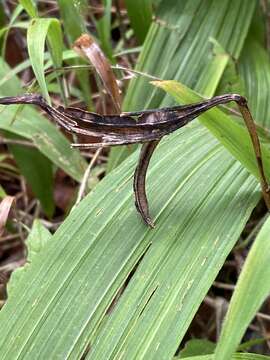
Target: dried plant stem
x,y
86,176
243,107
17,142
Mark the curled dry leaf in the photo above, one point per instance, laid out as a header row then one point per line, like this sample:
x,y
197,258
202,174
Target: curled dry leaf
x,y
147,126
85,46
5,207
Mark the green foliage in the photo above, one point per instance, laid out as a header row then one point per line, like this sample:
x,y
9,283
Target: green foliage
x,y
197,347
175,272
255,70
222,126
38,172
31,125
30,7
175,43
238,356
37,32
251,290
35,242
66,300
140,14
104,30
74,23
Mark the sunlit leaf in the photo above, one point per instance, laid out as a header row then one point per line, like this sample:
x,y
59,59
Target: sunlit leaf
x,y
255,70
29,6
37,32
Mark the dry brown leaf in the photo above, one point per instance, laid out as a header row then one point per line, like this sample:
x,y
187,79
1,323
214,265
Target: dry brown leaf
x,y
5,207
85,46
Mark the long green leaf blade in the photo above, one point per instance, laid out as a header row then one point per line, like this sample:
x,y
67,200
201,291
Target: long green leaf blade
x,y
179,46
239,356
252,288
254,67
37,32
103,240
77,263
140,15
38,171
35,127
30,7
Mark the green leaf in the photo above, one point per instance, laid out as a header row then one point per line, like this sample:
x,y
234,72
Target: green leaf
x,y
37,240
238,356
91,256
253,286
175,42
255,70
2,192
197,347
35,127
37,170
37,32
35,243
67,55
117,156
74,25
104,30
103,250
30,7
72,15
4,31
140,15
214,70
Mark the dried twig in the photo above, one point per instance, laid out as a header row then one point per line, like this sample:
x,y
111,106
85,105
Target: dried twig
x,y
147,126
86,176
87,47
5,207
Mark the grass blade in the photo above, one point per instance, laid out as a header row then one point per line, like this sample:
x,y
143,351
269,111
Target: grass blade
x,y
104,30
103,242
38,172
37,32
140,15
179,46
30,7
36,241
77,259
74,25
35,127
254,68
238,356
252,288
71,13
